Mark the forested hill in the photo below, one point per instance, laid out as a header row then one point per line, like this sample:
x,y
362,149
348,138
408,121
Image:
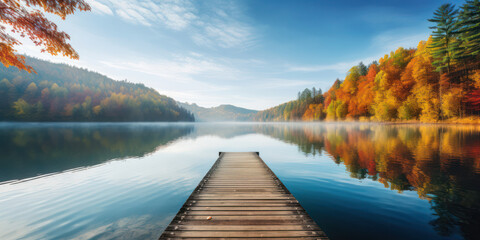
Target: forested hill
x,y
220,113
59,92
294,110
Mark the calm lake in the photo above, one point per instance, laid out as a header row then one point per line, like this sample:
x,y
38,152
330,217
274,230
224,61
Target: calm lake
x,y
128,180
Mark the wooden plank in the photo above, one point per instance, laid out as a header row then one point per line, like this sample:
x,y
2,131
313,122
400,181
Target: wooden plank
x,y
229,218
241,208
240,197
298,227
292,238
233,203
242,222
244,234
248,194
241,213
245,190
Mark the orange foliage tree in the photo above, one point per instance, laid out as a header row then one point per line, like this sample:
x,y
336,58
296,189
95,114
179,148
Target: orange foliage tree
x,y
25,17
365,91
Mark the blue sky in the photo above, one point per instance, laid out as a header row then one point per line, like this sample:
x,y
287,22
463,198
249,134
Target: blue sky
x,y
251,53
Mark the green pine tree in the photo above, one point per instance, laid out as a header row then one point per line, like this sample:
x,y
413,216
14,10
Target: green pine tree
x,y
443,37
469,29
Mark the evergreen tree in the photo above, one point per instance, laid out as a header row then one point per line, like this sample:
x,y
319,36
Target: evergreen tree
x,y
469,28
362,69
443,43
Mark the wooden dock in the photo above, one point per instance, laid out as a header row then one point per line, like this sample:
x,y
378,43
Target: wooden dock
x,y
240,197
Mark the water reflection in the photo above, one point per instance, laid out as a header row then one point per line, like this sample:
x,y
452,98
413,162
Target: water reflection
x,y
406,181
440,163
28,150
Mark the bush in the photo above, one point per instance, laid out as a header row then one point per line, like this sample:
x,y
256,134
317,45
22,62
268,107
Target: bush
x,y
451,103
409,109
384,112
342,110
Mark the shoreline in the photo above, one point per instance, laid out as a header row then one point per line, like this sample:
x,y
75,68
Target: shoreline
x,y
458,121
462,121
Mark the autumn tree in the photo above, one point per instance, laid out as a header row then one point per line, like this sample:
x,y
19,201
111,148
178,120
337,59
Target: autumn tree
x,y
332,110
314,112
348,90
426,80
389,88
366,92
25,17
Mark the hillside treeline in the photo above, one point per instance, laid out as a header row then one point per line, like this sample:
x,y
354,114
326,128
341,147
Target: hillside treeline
x,y
438,80
58,92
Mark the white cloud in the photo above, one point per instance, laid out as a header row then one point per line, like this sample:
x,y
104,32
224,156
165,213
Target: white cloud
x,y
220,24
340,67
173,14
391,40
225,26
181,69
99,8
271,83
227,35
382,44
182,77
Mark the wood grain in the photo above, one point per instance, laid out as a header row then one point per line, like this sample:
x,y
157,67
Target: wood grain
x,y
240,197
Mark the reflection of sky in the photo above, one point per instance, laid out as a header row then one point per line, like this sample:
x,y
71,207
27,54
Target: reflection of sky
x,y
136,198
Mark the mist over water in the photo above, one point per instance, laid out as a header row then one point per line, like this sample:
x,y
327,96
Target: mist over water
x,y
128,180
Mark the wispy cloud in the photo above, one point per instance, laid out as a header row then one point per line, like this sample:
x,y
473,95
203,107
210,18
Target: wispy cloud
x,y
381,44
271,83
221,26
99,8
225,26
339,67
179,69
225,35
173,14
391,40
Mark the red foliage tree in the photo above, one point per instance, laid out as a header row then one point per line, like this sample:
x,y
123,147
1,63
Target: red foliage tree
x,y
27,19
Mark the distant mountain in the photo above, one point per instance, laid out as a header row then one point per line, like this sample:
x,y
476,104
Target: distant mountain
x,y
59,92
220,113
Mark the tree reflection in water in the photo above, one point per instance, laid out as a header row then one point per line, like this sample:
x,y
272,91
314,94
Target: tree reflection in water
x,y
440,163
31,150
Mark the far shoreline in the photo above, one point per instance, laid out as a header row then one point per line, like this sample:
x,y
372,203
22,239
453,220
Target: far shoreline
x,y
449,122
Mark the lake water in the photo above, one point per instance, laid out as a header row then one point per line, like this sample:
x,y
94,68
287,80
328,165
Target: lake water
x,y
127,181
